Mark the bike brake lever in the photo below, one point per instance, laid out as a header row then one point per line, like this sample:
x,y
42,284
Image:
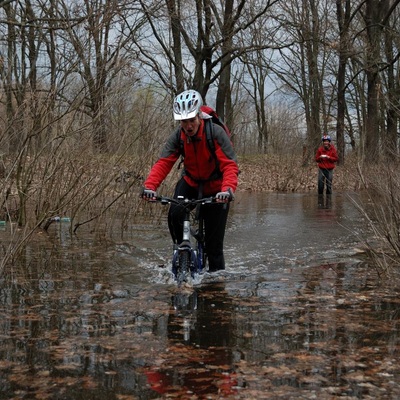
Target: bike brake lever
x,y
209,200
164,202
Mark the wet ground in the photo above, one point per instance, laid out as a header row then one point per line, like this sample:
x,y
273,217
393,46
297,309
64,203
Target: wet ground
x,y
298,314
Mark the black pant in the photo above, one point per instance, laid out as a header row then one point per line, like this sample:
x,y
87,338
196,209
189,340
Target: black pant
x,y
215,217
325,176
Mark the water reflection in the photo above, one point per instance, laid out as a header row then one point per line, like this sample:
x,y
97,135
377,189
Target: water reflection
x,y
199,357
325,201
294,315
287,230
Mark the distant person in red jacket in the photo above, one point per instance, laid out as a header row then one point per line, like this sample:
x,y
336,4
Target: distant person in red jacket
x,y
326,157
204,174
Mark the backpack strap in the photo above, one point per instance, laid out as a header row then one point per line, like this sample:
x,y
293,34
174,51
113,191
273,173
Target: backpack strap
x,y
210,135
209,127
181,147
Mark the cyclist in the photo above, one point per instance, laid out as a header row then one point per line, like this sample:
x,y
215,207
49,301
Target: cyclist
x,y
326,158
204,174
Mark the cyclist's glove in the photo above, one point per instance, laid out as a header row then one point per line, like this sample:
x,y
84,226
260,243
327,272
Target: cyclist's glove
x,y
149,194
224,197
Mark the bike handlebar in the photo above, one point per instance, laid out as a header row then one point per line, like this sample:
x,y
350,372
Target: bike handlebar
x,y
184,201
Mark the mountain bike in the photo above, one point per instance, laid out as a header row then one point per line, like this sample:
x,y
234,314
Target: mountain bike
x,y
189,257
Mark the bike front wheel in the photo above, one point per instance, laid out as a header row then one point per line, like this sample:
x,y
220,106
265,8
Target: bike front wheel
x,y
183,270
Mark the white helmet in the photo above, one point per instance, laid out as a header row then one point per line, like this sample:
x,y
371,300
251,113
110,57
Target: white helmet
x,y
187,105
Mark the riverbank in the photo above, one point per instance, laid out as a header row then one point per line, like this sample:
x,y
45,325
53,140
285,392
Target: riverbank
x,y
285,174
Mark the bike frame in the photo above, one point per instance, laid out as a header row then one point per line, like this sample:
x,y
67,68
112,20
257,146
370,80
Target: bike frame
x,y
189,256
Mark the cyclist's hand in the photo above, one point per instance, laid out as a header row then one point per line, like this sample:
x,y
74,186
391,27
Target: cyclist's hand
x,y
224,197
149,195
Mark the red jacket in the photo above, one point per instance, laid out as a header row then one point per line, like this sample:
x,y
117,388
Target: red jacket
x,y
326,158
199,162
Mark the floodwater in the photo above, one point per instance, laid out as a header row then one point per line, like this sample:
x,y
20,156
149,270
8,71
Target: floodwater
x,y
298,313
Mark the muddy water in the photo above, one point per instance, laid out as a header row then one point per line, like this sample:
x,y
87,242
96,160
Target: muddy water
x,y
297,313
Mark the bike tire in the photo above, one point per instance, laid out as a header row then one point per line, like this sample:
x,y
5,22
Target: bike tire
x,y
183,271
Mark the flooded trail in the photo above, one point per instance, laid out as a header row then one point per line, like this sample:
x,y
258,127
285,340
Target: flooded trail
x,y
297,314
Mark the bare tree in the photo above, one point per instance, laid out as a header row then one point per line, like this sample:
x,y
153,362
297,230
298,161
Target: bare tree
x,y
343,18
96,31
376,16
302,67
391,82
205,48
254,78
19,72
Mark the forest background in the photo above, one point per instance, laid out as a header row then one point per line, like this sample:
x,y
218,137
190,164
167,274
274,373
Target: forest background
x,y
87,89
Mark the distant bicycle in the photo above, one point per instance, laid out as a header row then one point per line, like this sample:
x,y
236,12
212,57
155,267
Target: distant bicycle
x,y
190,256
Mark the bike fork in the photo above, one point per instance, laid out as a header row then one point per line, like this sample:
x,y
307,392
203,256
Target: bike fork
x,y
193,261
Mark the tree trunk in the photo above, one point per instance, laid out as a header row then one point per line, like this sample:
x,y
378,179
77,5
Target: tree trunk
x,y
224,87
393,95
174,15
372,56
343,17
